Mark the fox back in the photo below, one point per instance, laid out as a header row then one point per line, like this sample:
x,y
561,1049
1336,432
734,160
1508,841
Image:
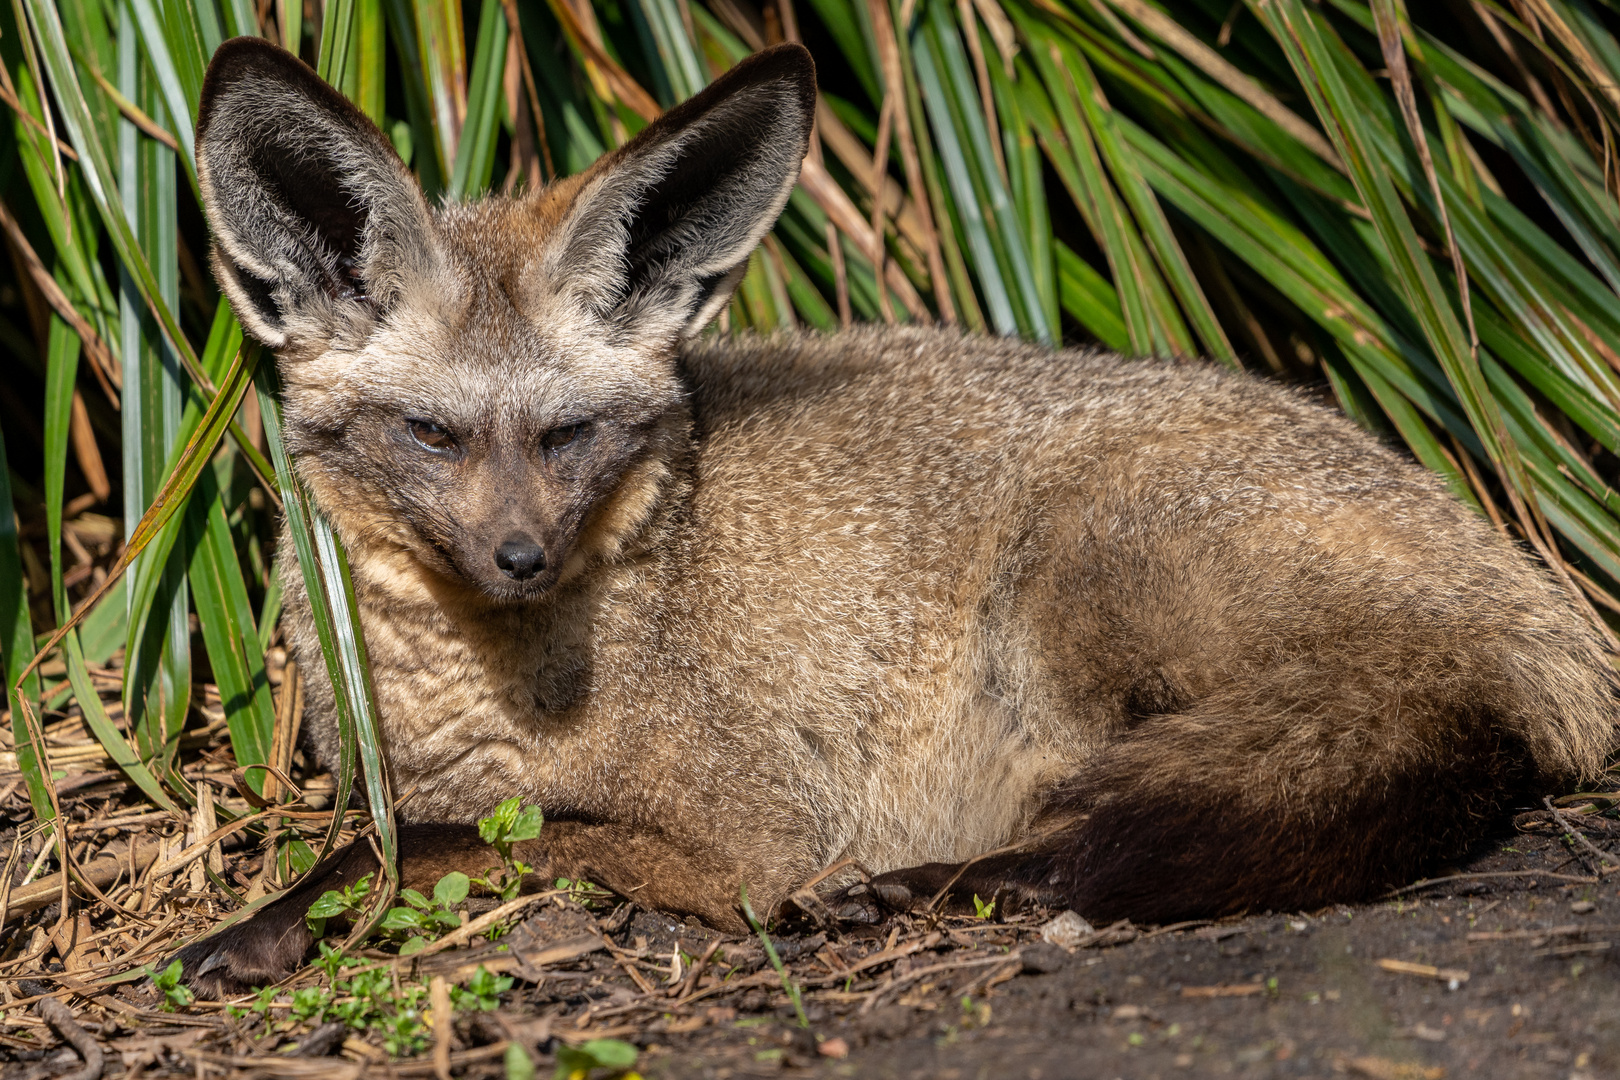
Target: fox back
x,y
1164,640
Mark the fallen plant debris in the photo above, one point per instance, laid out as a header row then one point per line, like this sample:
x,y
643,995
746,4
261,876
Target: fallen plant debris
x,y
1451,976
573,982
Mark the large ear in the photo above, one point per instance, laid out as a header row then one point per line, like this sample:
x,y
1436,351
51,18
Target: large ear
x,y
317,224
661,230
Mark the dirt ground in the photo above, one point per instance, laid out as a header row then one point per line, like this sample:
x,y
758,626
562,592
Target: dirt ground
x,y
1508,970
1529,986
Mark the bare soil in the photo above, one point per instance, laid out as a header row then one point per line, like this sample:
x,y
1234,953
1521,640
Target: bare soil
x,y
1529,987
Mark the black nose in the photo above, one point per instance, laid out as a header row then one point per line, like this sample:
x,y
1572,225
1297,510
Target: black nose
x,y
520,558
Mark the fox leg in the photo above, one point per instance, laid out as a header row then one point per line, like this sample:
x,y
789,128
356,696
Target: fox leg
x,y
647,867
1254,800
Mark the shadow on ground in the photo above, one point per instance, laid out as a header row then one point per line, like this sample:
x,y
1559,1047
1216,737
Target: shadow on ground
x,y
1528,986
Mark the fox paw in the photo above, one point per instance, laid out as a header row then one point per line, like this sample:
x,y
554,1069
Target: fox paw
x,y
947,887
257,952
866,903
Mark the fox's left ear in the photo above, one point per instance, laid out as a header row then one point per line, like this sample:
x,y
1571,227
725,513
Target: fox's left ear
x,y
660,231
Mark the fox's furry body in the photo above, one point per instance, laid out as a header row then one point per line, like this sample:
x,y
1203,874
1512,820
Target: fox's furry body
x,y
897,586
904,596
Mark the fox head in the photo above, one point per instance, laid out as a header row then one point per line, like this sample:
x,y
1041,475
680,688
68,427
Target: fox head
x,y
489,391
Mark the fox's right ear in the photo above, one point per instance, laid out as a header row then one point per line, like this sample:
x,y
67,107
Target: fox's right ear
x,y
318,226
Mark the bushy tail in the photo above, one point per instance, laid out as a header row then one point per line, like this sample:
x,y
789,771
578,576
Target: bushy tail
x,y
1322,783
1352,767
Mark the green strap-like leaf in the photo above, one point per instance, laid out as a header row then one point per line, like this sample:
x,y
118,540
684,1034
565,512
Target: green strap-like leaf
x,y
475,154
17,647
329,593
1317,66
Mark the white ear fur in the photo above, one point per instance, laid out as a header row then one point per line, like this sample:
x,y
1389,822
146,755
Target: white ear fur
x,y
660,232
317,224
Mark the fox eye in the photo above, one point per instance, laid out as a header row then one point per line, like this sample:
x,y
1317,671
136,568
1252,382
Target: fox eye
x,y
431,436
559,437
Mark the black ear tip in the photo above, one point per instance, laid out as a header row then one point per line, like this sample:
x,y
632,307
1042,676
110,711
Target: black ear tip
x,y
239,55
246,43
790,54
245,58
788,62
261,67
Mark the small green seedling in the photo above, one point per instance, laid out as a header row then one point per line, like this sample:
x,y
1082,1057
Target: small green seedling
x,y
367,997
403,1032
424,919
332,961
176,995
580,891
577,1062
510,824
519,1065
788,984
334,902
982,910
483,993
310,1003
370,1000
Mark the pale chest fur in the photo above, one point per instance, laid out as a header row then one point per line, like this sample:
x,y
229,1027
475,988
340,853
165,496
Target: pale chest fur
x,y
834,721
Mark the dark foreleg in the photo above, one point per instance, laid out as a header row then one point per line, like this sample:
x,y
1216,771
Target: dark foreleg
x,y
643,866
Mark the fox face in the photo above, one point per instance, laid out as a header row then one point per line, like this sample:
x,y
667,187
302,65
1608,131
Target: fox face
x,y
479,446
490,391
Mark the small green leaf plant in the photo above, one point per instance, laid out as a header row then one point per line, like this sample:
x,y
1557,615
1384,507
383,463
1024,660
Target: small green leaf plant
x,y
483,992
335,903
367,998
519,1065
510,824
176,995
421,919
360,994
580,890
578,1062
263,999
982,910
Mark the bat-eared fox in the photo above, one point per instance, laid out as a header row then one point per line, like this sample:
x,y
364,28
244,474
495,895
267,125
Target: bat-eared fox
x,y
1141,638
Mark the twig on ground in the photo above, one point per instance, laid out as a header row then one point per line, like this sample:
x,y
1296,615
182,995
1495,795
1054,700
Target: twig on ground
x,y
877,959
61,1019
102,871
1425,971
480,924
1428,882
897,981
5,882
627,965
990,978
689,983
1572,830
759,978
439,999
1190,924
